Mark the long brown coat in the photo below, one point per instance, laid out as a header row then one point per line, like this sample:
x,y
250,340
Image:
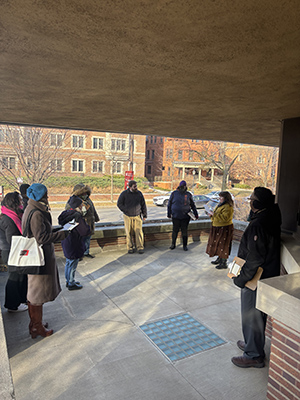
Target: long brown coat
x,y
46,287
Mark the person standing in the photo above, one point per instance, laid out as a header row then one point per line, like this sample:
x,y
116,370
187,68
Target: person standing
x,y
180,204
221,233
259,247
132,203
74,245
11,225
45,287
23,191
88,211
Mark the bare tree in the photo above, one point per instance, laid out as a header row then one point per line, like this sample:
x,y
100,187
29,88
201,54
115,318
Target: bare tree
x,y
34,152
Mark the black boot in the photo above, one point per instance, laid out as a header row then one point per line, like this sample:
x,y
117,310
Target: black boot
x,y
174,237
184,242
223,264
217,261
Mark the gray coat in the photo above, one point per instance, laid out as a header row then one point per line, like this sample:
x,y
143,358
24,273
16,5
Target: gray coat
x,y
46,287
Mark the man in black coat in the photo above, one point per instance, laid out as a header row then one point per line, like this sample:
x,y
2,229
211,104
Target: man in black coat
x,y
132,203
259,247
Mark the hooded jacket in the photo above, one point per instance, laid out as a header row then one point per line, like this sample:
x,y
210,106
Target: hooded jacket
x,y
74,246
260,246
91,216
132,204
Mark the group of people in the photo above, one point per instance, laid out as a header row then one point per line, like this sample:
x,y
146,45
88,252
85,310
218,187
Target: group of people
x,y
259,247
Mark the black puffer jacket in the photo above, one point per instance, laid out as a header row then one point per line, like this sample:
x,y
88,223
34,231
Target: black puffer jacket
x,y
260,246
132,204
7,229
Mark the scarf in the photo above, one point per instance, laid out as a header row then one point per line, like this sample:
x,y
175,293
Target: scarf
x,y
12,215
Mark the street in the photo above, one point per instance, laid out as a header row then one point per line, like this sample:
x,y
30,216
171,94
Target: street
x,y
113,214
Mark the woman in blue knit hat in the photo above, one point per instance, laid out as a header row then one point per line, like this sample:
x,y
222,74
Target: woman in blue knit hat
x,y
45,287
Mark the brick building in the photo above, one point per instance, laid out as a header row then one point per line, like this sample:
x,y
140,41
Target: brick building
x,y
80,152
170,159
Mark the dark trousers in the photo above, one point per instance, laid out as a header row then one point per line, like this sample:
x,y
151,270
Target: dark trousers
x,y
15,290
253,325
180,224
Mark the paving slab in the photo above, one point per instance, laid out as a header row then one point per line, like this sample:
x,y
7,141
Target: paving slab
x,y
98,350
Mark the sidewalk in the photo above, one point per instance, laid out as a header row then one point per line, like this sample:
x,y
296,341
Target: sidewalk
x,y
99,352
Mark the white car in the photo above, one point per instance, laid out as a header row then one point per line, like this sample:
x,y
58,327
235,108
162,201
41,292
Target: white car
x,y
162,200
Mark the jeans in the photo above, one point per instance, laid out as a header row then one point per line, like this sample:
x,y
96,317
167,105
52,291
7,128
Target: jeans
x,y
70,269
87,242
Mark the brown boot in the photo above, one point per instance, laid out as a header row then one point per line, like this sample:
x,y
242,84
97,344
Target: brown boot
x,y
36,326
45,324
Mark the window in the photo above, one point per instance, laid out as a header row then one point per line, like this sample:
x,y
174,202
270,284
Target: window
x,y
77,165
161,140
118,144
148,154
56,165
154,139
9,162
167,153
149,169
56,139
179,154
259,159
259,172
2,137
117,167
77,141
191,153
169,171
151,141
171,153
97,166
153,154
240,158
98,143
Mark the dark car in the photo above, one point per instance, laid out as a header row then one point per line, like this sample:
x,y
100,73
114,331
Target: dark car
x,y
200,200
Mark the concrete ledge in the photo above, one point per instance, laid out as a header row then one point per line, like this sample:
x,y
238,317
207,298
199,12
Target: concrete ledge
x,y
6,383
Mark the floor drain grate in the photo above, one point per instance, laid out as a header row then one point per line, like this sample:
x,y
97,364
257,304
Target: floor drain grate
x,y
181,336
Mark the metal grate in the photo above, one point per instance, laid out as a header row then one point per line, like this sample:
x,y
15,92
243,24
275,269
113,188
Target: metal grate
x,y
181,336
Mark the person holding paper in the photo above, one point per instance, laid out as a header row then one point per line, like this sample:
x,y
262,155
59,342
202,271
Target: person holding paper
x,y
180,205
259,247
221,232
74,245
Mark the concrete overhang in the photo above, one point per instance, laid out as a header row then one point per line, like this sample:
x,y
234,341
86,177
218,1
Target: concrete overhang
x,y
214,70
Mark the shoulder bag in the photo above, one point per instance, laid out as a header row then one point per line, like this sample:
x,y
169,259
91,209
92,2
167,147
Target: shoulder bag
x,y
26,256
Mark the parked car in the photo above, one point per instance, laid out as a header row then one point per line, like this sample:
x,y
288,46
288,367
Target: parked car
x,y
200,200
215,195
162,200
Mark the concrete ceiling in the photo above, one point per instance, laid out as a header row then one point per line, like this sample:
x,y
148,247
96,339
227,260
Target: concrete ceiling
x,y
216,70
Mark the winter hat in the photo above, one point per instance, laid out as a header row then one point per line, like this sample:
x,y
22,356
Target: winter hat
x,y
36,191
182,183
23,188
265,197
74,202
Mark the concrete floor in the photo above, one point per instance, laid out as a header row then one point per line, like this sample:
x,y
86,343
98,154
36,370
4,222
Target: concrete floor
x,y
98,351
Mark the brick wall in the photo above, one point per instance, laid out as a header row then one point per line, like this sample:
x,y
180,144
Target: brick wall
x,y
284,370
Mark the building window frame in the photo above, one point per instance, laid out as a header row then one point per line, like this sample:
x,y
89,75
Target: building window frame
x,y
78,165
78,141
97,167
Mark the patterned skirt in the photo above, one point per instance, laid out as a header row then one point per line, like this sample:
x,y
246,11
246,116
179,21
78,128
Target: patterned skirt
x,y
219,241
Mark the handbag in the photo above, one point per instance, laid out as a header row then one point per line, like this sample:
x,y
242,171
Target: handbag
x,y
26,256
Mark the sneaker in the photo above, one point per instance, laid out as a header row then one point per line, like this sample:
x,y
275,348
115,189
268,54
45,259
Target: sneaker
x,y
76,283
130,251
75,287
89,255
141,251
22,307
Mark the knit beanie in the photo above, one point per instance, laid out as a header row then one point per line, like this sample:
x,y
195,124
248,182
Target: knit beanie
x,y
74,202
182,183
36,191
